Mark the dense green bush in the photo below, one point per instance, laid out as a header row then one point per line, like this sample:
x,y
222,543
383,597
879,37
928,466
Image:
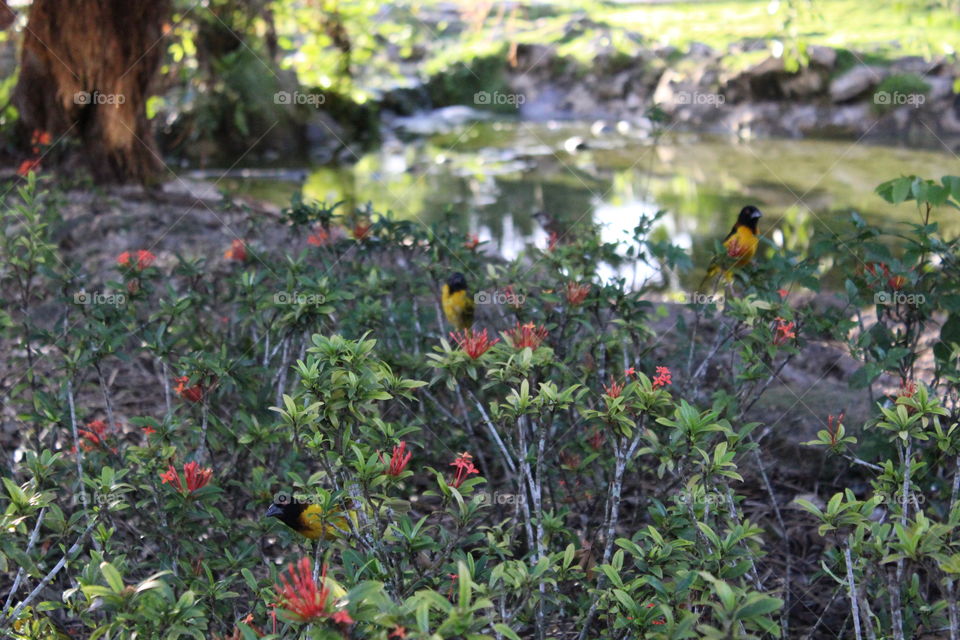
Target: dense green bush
x,y
566,470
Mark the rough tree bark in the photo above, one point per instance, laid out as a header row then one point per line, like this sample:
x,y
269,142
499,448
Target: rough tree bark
x,y
86,70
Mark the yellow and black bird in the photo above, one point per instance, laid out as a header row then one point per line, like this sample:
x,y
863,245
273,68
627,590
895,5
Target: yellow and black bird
x,y
741,245
457,303
310,520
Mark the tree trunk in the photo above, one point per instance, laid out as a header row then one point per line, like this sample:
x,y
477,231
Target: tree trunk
x,y
86,70
7,16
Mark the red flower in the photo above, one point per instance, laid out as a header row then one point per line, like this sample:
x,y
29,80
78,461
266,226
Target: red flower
x,y
513,299
474,343
783,331
782,293
596,439
907,389
896,282
342,617
577,293
304,598
398,632
148,431
735,249
193,394
472,241
33,164
880,271
237,250
398,459
144,259
464,468
361,229
95,436
614,390
527,335
40,137
629,371
194,477
662,378
319,238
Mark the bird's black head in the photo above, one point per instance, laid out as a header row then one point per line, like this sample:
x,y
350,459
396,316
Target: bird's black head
x,y
748,217
287,512
457,282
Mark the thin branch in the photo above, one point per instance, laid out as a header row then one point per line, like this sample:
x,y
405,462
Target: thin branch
x,y
49,577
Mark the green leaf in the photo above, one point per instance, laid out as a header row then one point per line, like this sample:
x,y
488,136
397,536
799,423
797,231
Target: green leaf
x,y
506,631
624,599
112,576
900,190
760,607
463,585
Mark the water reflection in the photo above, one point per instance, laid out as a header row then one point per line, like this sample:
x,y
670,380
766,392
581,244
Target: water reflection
x,y
512,183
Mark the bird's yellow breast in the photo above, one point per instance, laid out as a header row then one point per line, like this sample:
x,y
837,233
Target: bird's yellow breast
x,y
458,307
742,245
315,525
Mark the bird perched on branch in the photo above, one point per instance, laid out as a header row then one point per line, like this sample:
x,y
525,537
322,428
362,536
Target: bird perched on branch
x,y
457,303
310,520
740,244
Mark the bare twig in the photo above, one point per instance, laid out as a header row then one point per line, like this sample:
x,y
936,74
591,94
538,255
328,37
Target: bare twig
x,y
30,544
49,577
852,589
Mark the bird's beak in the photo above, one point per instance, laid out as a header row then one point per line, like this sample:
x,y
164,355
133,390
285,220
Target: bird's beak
x,y
273,511
756,215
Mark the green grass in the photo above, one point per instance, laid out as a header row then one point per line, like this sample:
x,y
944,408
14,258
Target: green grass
x,y
880,28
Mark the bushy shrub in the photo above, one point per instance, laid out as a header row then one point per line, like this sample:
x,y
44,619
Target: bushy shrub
x,y
569,468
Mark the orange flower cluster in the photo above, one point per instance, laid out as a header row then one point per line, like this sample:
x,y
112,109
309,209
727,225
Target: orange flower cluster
x,y
237,251
193,477
907,389
319,238
473,343
596,439
464,465
662,378
38,140
304,598
783,332
527,335
614,389
192,394
577,293
95,436
398,459
880,271
361,229
141,259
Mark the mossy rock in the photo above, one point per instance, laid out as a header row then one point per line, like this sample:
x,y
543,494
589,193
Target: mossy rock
x,y
460,83
899,89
